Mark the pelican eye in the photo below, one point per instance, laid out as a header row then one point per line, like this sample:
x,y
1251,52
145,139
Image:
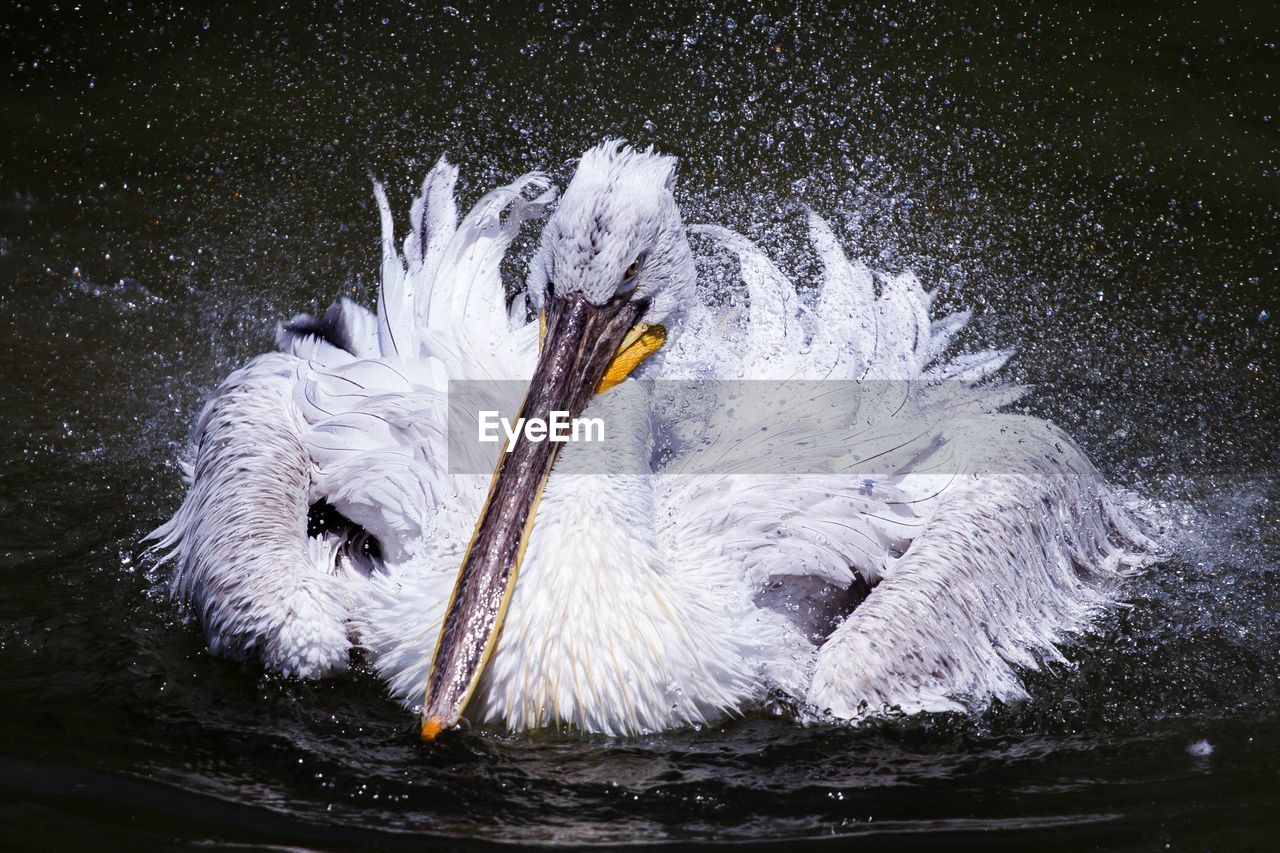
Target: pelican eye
x,y
628,279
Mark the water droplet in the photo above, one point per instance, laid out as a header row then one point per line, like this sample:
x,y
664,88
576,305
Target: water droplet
x,y
1200,749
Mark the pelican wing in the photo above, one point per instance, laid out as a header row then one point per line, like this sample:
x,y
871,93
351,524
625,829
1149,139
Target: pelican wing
x,y
1006,564
245,564
987,537
343,431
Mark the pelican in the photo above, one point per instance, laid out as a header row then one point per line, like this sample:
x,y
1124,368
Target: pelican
x,y
656,579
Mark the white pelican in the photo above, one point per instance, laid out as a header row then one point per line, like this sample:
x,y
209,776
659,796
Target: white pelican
x,y
324,517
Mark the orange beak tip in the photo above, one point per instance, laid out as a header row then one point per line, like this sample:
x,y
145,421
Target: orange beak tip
x,y
431,730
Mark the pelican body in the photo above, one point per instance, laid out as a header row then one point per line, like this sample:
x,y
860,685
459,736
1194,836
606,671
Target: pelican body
x,y
600,586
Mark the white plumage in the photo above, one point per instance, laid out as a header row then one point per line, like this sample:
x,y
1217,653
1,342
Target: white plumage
x,y
649,597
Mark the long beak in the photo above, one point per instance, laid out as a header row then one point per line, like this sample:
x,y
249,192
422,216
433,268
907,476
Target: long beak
x,y
586,348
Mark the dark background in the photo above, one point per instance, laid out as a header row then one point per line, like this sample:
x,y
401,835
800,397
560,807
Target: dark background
x,y
1100,184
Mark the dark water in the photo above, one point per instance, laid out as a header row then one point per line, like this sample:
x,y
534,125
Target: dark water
x,y
1101,185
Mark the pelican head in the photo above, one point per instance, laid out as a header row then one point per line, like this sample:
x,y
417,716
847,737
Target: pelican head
x,y
613,272
617,235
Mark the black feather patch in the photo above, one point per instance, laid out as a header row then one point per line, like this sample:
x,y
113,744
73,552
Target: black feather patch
x,y
334,327
361,549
